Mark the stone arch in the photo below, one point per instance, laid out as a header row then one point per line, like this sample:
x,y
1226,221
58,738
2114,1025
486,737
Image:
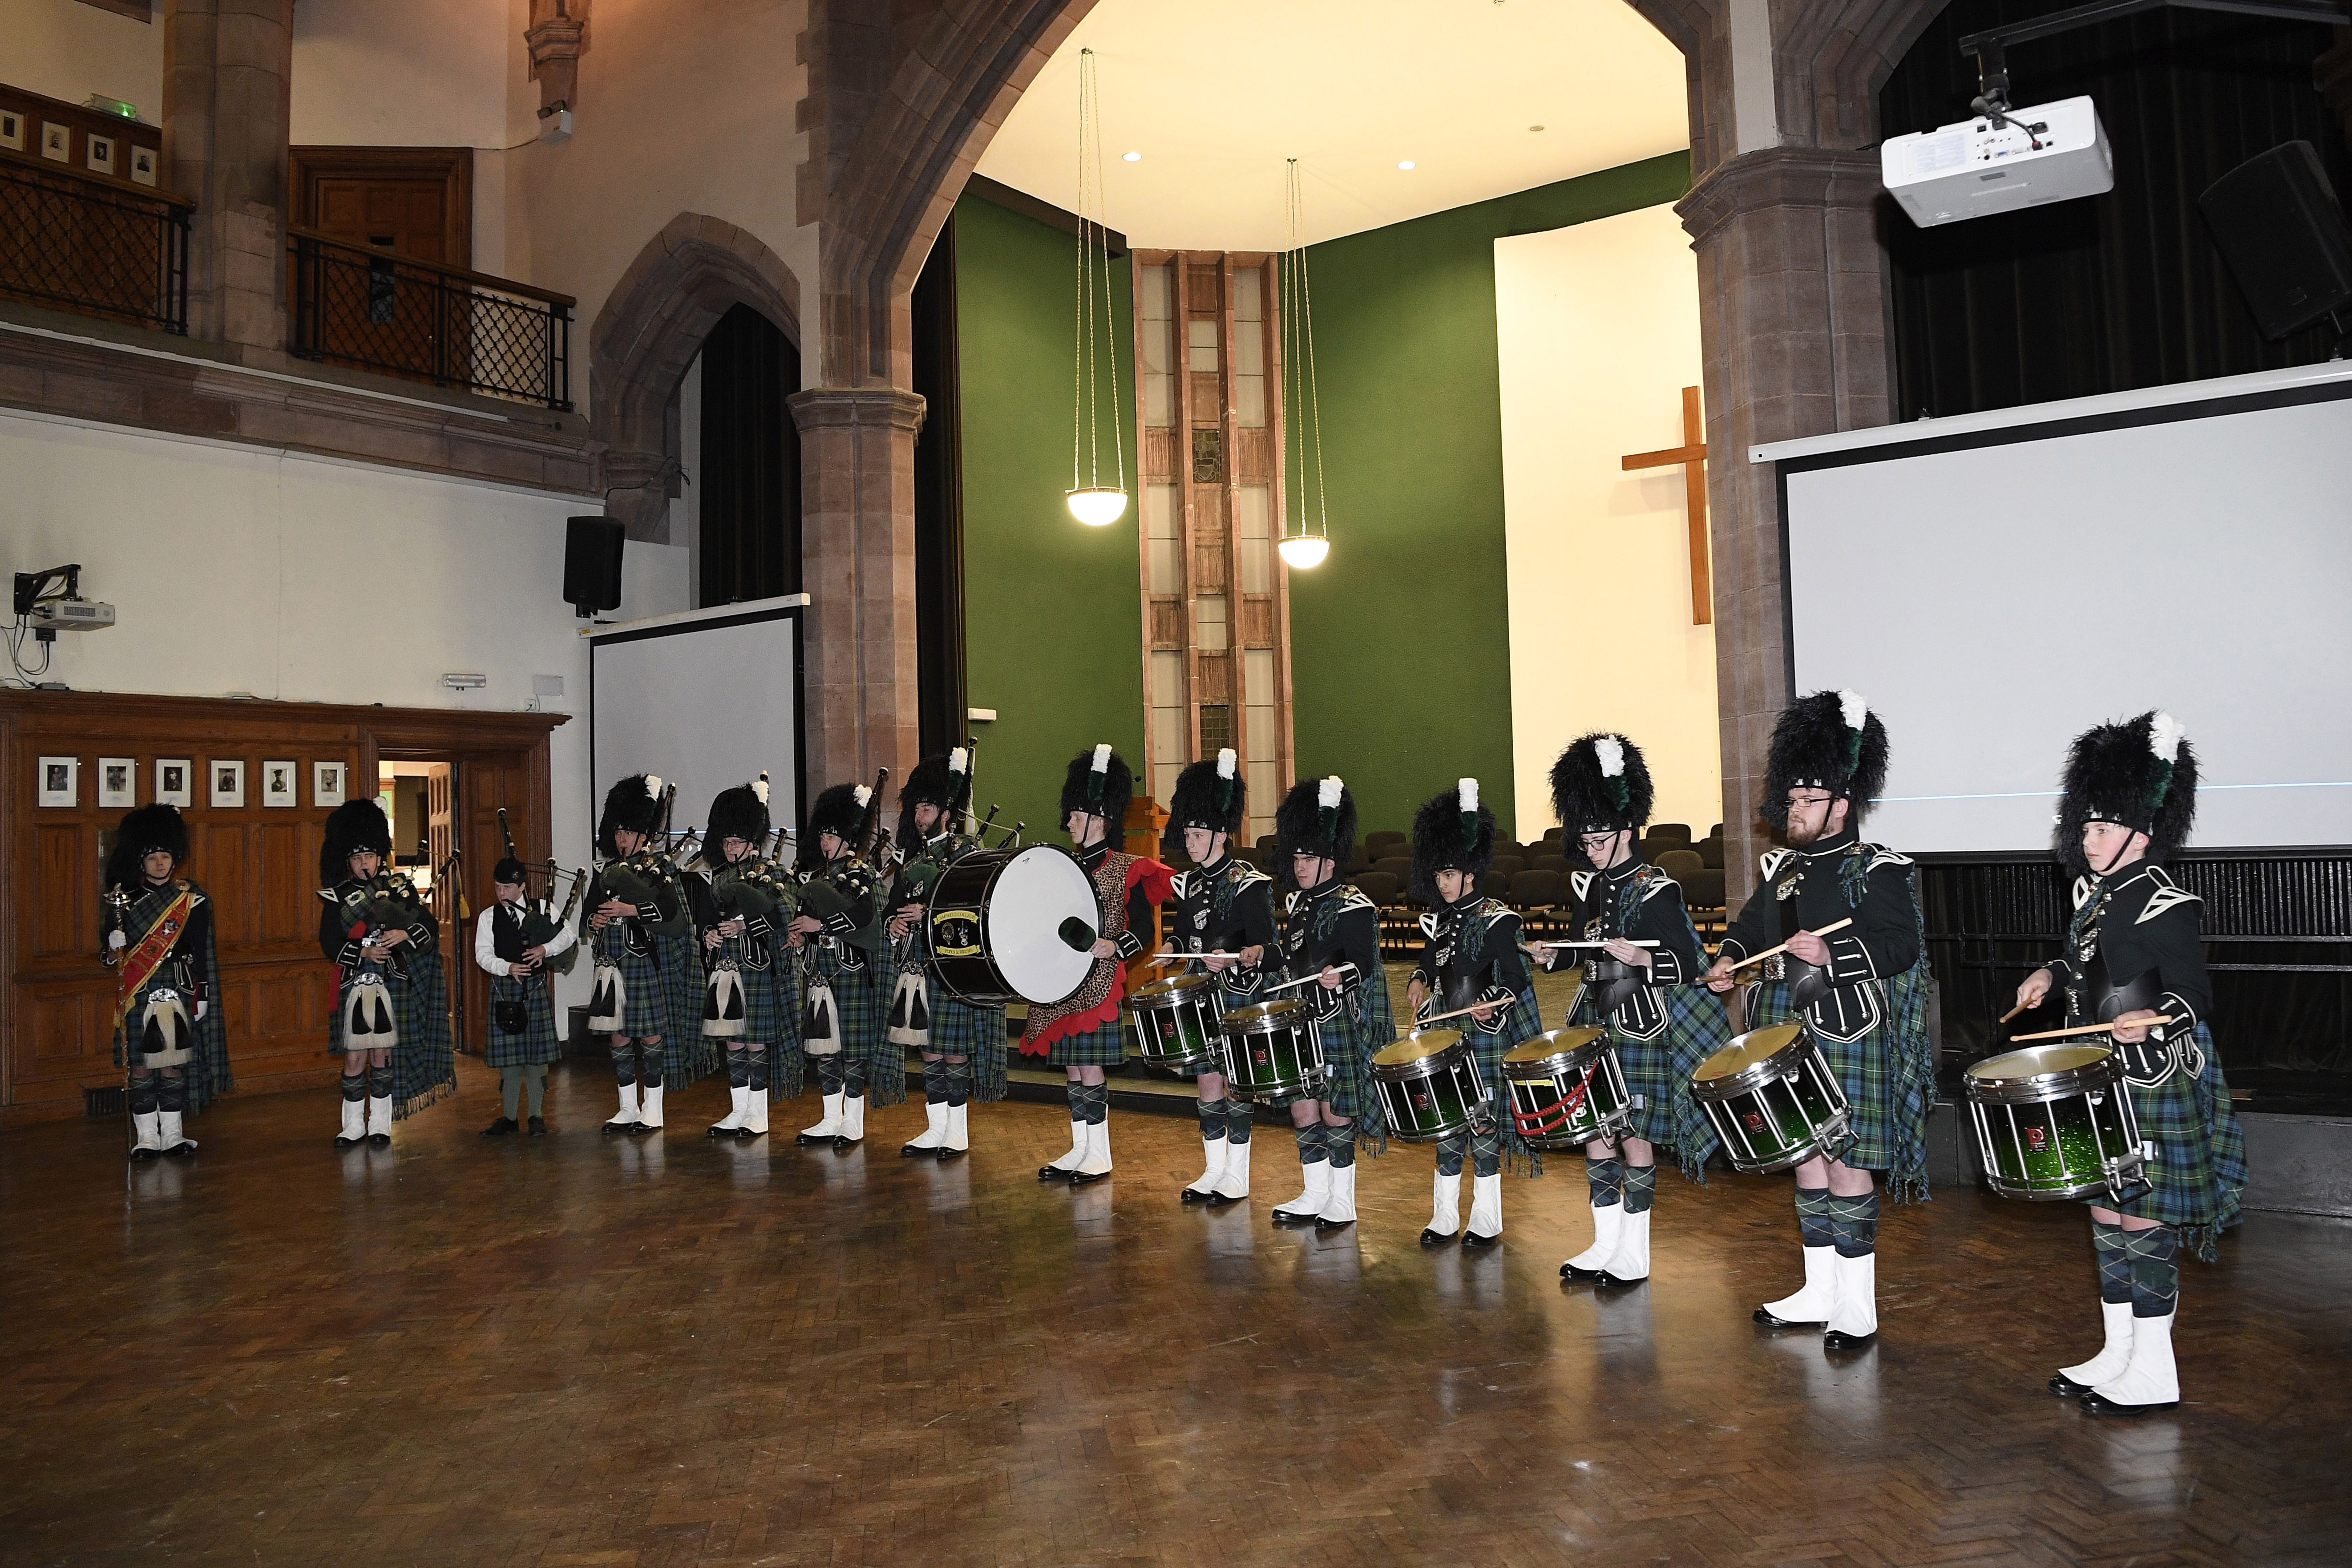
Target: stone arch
x,y
1830,58
652,325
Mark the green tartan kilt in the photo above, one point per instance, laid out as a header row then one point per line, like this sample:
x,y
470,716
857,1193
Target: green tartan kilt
x,y
2200,1174
423,1064
861,999
1862,1067
537,1044
761,1016
1649,1069
1524,1022
206,1074
644,1012
1103,1046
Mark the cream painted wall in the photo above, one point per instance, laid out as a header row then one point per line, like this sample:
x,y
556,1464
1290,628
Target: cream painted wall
x,y
238,571
67,50
684,106
1598,335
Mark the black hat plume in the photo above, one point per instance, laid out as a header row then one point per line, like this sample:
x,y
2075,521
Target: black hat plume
x,y
1600,783
632,803
1830,740
1451,832
144,831
2141,774
1099,783
355,825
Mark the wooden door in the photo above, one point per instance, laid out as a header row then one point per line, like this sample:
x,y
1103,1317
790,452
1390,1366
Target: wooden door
x,y
450,902
501,779
410,204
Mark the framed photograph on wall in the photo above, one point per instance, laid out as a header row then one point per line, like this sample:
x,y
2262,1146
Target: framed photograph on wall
x,y
60,780
100,156
56,142
327,783
118,782
176,781
11,129
277,787
143,165
228,782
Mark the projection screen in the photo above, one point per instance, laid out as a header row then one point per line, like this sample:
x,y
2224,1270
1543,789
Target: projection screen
x,y
1997,584
708,698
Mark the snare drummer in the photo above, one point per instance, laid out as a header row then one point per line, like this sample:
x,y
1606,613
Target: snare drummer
x,y
1862,993
1083,1034
1470,958
1222,909
962,1046
1638,987
2135,955
1330,938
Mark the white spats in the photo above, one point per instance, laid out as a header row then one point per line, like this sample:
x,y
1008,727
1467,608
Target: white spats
x,y
1340,1203
2151,1381
146,1133
957,1136
853,1122
755,1115
649,1110
379,1120
1607,1220
1811,1302
1487,1213
1232,1181
1853,1306
739,1101
935,1128
354,1127
1062,1164
1094,1156
2113,1356
827,1126
1629,1263
1444,1208
1310,1204
1213,1166
173,1140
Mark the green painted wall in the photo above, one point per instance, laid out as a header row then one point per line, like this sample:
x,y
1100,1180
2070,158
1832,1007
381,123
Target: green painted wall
x,y
1399,641
1052,609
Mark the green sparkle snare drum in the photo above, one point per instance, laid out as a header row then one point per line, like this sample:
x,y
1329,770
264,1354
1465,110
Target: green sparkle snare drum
x,y
1567,1088
1176,1024
1429,1085
1772,1098
2055,1121
1271,1048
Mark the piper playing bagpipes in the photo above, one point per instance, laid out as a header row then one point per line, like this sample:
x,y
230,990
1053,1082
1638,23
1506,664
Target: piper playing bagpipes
x,y
1222,909
1470,958
1083,1035
2135,958
647,973
1640,986
519,943
962,1046
168,1030
838,929
741,905
391,1023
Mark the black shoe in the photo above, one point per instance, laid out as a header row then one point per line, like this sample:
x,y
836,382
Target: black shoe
x,y
1575,1275
343,1142
1472,1238
2096,1403
501,1127
2065,1387
1438,1238
1053,1172
619,1129
812,1139
1191,1195
1086,1178
1324,1222
1837,1339
843,1145
538,1128
641,1128
1767,1320
946,1153
917,1150
144,1154
380,1140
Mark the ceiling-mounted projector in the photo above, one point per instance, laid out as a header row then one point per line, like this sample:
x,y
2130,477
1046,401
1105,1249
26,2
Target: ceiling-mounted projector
x,y
1999,162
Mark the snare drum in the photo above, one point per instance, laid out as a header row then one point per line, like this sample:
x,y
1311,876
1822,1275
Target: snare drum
x,y
1429,1085
1272,1048
2055,1121
1567,1088
1772,1098
1176,1024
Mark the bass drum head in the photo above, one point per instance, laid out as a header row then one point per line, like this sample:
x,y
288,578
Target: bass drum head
x,y
1032,895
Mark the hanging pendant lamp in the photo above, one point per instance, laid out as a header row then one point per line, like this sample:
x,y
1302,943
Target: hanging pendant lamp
x,y
1093,502
1308,543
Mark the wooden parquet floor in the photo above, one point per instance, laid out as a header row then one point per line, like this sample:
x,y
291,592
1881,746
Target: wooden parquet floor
x,y
576,1351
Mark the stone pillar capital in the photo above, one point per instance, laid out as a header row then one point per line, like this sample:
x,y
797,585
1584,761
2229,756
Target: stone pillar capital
x,y
1812,177
831,407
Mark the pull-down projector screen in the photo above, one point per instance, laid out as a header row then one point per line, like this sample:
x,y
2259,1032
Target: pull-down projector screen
x,y
1997,584
706,699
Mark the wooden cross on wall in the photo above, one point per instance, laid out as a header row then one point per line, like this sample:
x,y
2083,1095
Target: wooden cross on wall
x,y
1692,456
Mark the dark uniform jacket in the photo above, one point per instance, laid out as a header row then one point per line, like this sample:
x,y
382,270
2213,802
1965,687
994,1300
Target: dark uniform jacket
x,y
1801,890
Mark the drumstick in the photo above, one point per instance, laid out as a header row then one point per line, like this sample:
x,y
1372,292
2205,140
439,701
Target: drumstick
x,y
2086,1029
1636,941
1776,951
1458,1012
2013,1013
1286,984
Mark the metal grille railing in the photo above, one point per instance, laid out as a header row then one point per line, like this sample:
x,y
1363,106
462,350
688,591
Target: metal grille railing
x,y
70,240
353,305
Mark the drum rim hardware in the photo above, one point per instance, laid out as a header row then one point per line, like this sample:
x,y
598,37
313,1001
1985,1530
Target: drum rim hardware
x,y
1715,1097
1756,1073
2093,1081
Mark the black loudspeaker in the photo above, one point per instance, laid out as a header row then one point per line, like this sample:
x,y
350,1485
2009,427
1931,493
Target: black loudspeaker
x,y
591,563
2276,222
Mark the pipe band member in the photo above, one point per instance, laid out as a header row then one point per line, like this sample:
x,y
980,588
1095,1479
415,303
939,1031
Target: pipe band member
x,y
1862,993
168,1031
634,920
839,933
509,947
391,1023
1661,1021
747,1000
963,1047
1222,909
1083,1034
2135,957
1470,957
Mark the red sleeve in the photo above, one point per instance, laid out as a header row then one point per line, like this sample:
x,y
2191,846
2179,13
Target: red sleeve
x,y
1158,881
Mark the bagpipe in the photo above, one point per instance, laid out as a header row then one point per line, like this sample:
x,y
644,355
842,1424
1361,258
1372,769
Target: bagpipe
x,y
387,900
539,920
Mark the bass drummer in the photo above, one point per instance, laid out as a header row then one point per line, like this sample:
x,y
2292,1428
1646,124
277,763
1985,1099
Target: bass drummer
x,y
1862,992
960,1043
2134,956
1470,959
1638,987
1222,909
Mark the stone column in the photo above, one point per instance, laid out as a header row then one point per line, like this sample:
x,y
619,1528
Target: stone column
x,y
638,491
857,546
1794,339
227,69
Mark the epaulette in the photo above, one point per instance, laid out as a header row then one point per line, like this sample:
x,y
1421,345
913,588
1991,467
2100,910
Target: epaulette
x,y
1771,860
1880,854
1429,925
1653,882
1582,882
1246,875
2168,894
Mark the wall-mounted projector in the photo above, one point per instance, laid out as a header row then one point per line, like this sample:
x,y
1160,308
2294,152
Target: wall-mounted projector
x,y
2000,162
71,615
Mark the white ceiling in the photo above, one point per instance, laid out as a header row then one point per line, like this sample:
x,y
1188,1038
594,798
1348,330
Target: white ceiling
x,y
1216,94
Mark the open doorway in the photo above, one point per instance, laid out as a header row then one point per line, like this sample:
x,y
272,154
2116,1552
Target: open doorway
x,y
419,799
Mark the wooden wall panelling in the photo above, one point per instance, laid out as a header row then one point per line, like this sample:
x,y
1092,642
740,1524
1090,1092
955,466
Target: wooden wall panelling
x,y
259,863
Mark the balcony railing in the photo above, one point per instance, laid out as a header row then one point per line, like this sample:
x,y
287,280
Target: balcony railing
x,y
92,245
358,306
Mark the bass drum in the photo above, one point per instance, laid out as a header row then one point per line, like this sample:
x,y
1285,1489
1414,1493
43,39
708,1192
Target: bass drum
x,y
1011,925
